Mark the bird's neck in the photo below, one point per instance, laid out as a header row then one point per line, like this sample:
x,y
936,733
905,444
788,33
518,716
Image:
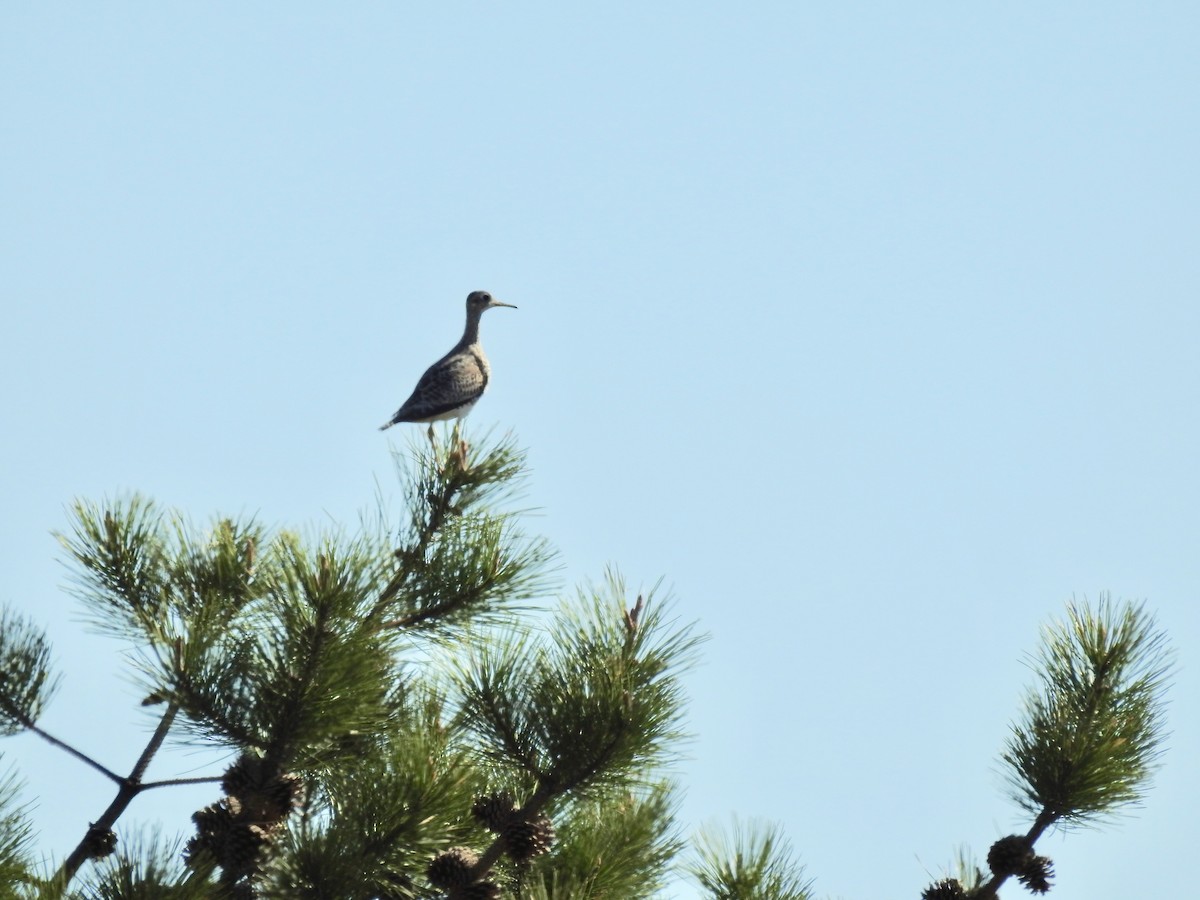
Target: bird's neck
x,y
471,332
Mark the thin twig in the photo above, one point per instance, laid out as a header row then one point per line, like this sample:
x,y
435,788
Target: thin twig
x,y
202,707
439,610
1044,820
171,782
78,754
156,741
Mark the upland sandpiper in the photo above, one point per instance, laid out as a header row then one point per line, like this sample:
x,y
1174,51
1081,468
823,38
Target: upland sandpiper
x,y
453,384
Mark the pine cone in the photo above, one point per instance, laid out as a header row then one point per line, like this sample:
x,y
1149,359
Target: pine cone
x,y
266,798
236,832
243,850
243,776
274,801
494,810
193,848
946,889
452,869
1009,855
99,842
525,840
213,823
1037,874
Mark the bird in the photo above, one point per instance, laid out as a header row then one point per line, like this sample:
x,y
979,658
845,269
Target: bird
x,y
453,384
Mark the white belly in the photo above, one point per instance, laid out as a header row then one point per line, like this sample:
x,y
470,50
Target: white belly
x,y
456,413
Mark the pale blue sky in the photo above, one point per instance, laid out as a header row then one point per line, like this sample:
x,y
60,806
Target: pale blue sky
x,y
871,327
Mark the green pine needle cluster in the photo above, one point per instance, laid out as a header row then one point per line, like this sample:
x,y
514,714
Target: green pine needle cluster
x,y
147,870
462,562
26,680
612,845
591,701
16,840
748,862
1093,728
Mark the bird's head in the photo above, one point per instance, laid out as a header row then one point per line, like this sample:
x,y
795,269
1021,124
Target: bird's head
x,y
478,301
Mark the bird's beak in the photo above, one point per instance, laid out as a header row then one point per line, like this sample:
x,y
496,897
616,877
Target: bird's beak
x,y
498,303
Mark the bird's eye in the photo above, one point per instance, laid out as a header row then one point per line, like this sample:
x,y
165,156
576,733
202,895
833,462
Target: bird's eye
x,y
485,297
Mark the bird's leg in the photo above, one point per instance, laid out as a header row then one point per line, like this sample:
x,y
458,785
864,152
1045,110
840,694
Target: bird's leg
x,y
438,461
459,445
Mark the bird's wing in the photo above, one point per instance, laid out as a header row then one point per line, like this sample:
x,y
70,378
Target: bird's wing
x,y
449,383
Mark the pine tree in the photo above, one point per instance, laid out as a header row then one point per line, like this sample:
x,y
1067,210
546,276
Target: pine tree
x,y
402,723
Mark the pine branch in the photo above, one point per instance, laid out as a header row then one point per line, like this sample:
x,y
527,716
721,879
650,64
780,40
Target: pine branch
x,y
514,745
458,560
584,711
200,707
532,807
294,705
446,606
439,505
1090,738
121,559
99,839
451,481
594,702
